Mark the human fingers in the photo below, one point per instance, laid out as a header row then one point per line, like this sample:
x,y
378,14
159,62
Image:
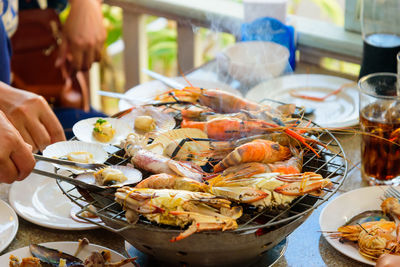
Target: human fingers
x,y
28,138
88,59
9,172
62,54
39,133
23,160
53,126
77,53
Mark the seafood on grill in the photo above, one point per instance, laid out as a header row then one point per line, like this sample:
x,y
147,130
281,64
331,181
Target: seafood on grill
x,y
218,100
44,256
145,119
183,141
280,189
167,181
202,211
135,147
259,150
112,176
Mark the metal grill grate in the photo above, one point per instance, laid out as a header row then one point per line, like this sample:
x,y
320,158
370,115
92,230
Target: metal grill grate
x,y
331,163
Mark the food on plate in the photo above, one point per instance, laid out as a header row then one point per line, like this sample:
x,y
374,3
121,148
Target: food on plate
x,y
79,156
44,256
25,262
103,131
374,238
109,176
145,123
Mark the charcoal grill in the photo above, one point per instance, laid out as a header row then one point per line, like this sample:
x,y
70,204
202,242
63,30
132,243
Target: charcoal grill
x,y
257,232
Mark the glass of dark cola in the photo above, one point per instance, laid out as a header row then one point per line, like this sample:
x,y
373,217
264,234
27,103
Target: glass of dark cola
x,y
380,30
380,126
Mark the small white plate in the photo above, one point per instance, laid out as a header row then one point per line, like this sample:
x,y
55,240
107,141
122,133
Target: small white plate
x,y
38,199
337,111
67,247
8,225
83,130
341,209
149,90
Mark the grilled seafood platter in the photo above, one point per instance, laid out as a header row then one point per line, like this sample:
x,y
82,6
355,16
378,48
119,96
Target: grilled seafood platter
x,y
206,157
45,256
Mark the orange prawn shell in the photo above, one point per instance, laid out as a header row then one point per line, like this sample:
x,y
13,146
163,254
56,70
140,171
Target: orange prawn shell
x,y
259,150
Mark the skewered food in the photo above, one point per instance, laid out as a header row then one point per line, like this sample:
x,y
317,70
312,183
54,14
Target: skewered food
x,y
103,131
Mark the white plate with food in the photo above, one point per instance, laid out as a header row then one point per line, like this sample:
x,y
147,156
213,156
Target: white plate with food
x,y
8,225
102,130
343,208
336,111
66,247
149,90
38,199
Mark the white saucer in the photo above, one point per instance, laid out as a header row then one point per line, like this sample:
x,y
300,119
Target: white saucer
x,y
38,199
336,111
8,225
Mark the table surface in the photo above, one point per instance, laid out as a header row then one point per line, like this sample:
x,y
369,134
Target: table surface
x,y
306,245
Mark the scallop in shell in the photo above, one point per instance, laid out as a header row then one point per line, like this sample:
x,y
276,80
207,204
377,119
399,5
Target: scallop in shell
x,y
149,119
132,175
94,153
83,130
166,144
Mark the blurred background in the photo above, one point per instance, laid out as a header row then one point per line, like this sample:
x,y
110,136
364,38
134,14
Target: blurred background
x,y
162,44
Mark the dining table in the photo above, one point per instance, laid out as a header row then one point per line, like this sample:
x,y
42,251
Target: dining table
x,y
306,246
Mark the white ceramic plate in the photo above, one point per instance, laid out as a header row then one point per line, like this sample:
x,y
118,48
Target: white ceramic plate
x,y
38,199
337,111
83,130
341,209
67,247
8,225
148,91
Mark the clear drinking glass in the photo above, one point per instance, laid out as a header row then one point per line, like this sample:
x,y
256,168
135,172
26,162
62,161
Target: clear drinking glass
x,y
380,20
380,126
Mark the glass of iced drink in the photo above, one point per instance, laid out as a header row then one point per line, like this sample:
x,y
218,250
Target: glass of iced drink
x,y
380,126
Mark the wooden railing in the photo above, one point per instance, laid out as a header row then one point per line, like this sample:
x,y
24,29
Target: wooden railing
x,y
315,40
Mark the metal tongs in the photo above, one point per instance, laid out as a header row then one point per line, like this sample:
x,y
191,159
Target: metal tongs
x,y
86,166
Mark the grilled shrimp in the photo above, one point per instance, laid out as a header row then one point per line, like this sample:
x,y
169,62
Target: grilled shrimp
x,y
256,151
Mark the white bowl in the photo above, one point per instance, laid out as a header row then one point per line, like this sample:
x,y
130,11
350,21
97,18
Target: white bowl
x,y
252,62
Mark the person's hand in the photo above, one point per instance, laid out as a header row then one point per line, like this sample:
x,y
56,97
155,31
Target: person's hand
x,y
32,117
388,260
83,35
16,159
